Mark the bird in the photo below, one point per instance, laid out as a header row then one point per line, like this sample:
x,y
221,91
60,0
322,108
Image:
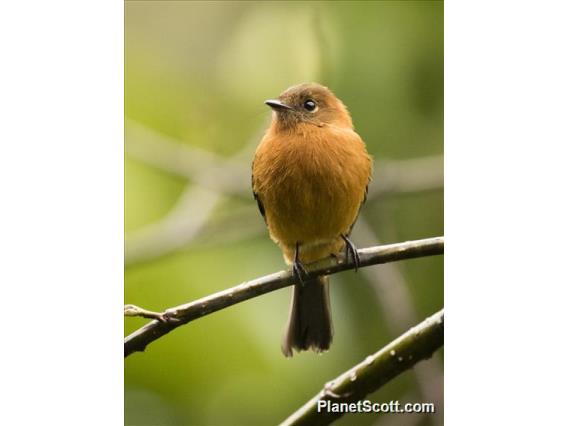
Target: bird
x,y
310,177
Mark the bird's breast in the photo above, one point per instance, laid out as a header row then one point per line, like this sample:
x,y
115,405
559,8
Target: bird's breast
x,y
311,183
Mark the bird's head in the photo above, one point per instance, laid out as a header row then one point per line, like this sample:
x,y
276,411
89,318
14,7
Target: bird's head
x,y
309,103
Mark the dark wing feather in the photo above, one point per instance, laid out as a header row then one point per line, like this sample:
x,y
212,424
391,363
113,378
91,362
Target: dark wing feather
x,y
359,211
257,198
260,206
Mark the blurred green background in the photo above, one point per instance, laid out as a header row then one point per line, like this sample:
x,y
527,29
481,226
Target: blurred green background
x,y
196,76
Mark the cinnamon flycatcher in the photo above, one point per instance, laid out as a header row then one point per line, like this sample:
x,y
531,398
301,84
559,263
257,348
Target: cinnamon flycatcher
x,y
309,176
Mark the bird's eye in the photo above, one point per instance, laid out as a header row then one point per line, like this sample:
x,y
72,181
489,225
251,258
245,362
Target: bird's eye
x,y
310,105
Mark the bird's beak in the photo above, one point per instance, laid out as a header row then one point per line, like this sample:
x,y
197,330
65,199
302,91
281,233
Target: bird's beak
x,y
276,104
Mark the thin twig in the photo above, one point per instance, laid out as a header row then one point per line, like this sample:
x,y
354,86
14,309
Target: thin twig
x,y
210,179
138,340
137,311
175,230
416,344
207,169
407,176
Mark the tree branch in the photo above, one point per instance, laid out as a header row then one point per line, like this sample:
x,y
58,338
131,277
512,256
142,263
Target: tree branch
x,y
179,315
416,344
207,169
183,222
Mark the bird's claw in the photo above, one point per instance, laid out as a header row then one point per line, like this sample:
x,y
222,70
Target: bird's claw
x,y
298,268
351,249
299,271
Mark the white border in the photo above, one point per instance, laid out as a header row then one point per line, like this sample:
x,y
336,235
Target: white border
x,y
506,212
61,214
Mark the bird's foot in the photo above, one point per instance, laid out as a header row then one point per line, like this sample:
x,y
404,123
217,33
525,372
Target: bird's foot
x,y
351,249
298,268
300,272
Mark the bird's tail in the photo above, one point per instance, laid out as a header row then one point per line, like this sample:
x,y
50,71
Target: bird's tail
x,y
309,324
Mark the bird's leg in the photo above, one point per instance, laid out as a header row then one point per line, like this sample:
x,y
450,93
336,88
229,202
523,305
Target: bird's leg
x,y
298,268
351,249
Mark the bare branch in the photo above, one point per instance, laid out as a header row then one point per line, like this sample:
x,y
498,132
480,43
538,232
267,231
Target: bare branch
x,y
228,176
183,314
416,344
408,176
137,311
184,221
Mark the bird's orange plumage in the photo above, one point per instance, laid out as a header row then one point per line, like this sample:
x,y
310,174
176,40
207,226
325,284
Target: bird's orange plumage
x,y
311,183
310,175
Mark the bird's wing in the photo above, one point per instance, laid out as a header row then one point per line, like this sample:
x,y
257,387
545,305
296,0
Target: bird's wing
x,y
256,197
260,206
360,205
